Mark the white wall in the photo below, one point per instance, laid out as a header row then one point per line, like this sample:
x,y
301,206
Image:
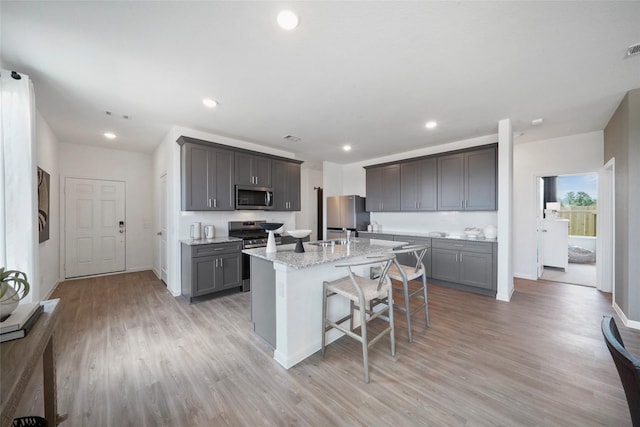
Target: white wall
x,y
49,250
135,169
567,155
166,159
310,177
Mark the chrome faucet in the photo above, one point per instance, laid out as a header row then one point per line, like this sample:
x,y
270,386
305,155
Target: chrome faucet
x,y
348,236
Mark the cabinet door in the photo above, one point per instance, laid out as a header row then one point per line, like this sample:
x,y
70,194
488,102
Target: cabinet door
x,y
195,177
476,269
428,184
244,171
409,185
293,186
451,182
223,182
444,265
279,181
204,270
374,189
229,271
480,180
262,171
390,188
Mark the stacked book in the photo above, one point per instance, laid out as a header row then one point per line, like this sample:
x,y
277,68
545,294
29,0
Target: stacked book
x,y
20,322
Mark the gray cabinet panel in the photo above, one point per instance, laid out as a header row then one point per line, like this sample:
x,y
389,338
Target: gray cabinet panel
x,y
476,269
383,188
467,263
481,179
206,178
286,185
210,268
444,265
253,170
419,189
468,181
263,299
451,182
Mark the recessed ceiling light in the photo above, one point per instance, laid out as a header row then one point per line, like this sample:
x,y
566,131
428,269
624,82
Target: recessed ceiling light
x,y
209,103
346,147
110,135
287,20
431,124
536,122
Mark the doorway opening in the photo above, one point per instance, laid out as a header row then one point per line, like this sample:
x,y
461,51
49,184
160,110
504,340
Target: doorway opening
x,y
568,210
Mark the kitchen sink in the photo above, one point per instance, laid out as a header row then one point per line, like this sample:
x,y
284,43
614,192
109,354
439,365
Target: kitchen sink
x,y
327,243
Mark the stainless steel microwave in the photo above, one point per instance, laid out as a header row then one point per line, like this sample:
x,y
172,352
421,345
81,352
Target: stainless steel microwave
x,y
254,197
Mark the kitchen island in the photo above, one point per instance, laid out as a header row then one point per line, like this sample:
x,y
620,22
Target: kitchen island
x,y
286,293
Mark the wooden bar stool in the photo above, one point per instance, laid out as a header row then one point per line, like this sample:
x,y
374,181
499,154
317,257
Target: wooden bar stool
x,y
405,273
360,291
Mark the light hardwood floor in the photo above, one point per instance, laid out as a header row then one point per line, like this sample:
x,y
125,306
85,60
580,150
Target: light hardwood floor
x,y
130,354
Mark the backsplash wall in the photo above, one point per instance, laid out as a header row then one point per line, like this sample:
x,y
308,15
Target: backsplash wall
x,y
425,222
220,220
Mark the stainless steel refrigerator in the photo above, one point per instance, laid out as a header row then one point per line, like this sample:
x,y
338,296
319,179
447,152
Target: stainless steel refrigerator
x,y
345,213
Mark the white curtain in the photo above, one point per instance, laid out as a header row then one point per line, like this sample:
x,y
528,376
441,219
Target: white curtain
x,y
18,191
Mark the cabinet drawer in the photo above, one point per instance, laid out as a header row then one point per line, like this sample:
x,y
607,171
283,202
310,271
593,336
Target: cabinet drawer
x,y
379,236
215,249
463,245
413,240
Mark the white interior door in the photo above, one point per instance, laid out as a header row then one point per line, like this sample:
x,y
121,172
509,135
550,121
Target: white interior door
x,y
163,228
605,224
540,217
95,230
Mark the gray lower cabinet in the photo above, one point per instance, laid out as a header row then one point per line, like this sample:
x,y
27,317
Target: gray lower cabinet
x,y
207,178
210,268
383,188
286,185
410,259
469,264
371,235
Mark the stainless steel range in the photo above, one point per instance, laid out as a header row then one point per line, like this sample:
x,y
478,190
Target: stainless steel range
x,y
252,237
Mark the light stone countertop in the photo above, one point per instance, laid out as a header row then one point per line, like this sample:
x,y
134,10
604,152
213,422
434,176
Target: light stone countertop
x,y
221,239
427,235
317,255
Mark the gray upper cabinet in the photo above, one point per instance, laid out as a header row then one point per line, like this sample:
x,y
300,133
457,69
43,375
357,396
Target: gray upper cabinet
x,y
286,185
207,178
253,170
383,188
468,181
419,185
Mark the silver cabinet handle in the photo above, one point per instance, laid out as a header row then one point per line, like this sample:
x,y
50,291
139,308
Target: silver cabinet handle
x,y
456,256
460,256
209,202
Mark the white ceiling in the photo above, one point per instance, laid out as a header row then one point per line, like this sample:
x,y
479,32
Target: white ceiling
x,y
365,73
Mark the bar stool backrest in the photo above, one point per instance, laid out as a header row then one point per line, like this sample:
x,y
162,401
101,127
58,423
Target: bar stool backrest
x,y
387,259
418,251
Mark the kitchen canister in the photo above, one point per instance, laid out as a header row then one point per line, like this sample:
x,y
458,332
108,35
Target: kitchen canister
x,y
196,230
490,232
209,231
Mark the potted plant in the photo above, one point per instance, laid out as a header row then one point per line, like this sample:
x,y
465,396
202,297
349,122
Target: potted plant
x,y
13,287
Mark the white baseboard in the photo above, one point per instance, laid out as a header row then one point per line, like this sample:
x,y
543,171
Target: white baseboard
x,y
524,276
628,323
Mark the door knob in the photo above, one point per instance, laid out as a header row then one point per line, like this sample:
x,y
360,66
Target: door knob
x,y
159,233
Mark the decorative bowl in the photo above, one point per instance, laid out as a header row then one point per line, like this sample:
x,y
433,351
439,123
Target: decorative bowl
x,y
298,234
472,231
271,226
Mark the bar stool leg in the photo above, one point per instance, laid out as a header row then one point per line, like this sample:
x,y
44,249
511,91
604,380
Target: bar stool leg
x,y
363,337
407,307
324,315
391,323
426,302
